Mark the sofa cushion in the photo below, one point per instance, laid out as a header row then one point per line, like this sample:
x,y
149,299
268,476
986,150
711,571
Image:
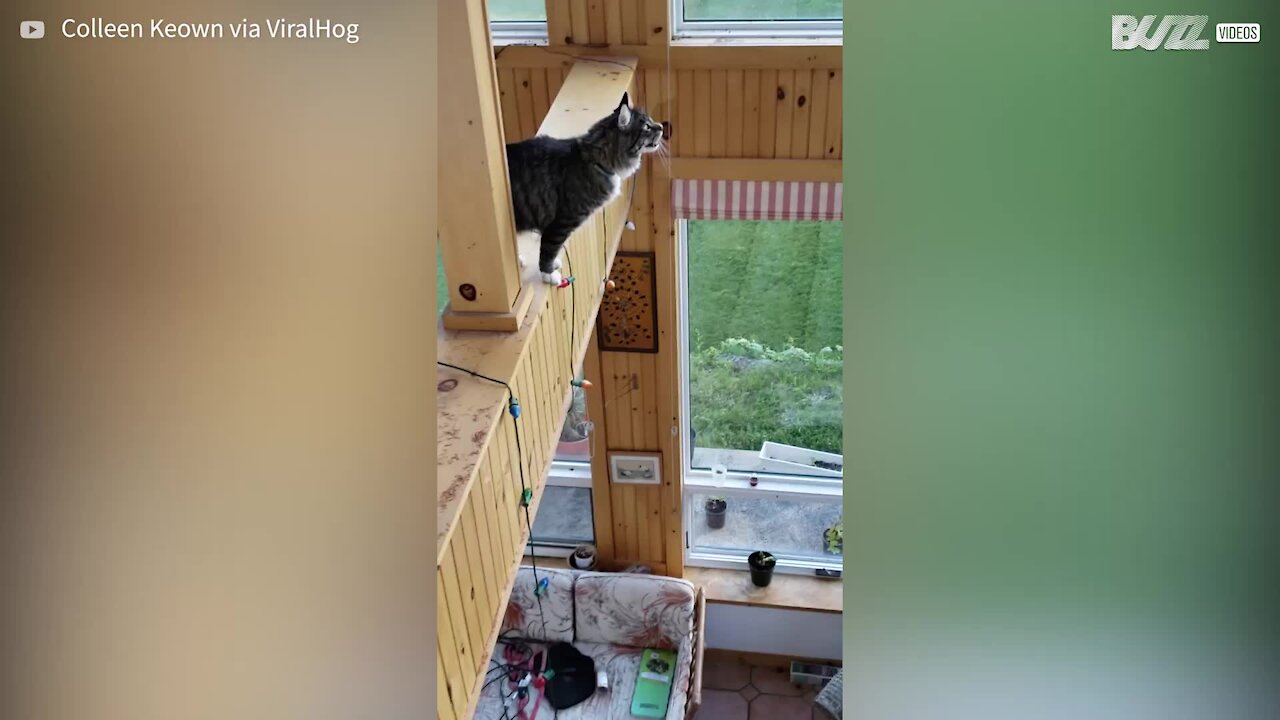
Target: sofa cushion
x,y
552,619
638,611
622,664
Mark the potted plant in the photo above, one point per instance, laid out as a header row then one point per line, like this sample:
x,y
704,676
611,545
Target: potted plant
x,y
575,436
716,508
761,564
834,538
583,557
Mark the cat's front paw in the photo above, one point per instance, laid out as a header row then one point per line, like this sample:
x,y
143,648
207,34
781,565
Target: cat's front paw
x,y
551,278
523,263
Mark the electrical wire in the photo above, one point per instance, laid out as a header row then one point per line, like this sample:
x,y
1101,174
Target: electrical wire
x,y
514,412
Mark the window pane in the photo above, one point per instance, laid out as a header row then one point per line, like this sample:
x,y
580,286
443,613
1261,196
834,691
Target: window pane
x,y
763,10
564,517
575,436
766,359
517,10
784,526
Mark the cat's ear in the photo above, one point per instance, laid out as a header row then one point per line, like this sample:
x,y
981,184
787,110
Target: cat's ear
x,y
624,116
626,100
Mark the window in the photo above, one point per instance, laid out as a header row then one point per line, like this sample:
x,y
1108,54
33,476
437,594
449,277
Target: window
x,y
745,19
518,21
763,393
565,517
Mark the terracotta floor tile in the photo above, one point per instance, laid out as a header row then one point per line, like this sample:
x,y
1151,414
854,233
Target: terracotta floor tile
x,y
725,676
771,681
722,705
777,707
749,692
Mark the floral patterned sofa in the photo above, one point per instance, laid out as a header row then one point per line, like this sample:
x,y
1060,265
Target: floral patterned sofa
x,y
611,617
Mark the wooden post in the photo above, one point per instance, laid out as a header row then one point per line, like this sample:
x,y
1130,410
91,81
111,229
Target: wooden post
x,y
477,230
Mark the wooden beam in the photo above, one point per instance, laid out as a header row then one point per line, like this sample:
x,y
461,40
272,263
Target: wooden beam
x,y
761,169
682,57
477,230
591,91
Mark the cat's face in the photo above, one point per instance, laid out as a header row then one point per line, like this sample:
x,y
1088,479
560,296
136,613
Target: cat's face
x,y
626,134
643,134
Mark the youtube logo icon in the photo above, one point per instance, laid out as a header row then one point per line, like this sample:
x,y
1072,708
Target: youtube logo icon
x,y
31,29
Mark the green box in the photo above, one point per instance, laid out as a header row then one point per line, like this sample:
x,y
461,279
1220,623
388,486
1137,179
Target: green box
x,y
653,684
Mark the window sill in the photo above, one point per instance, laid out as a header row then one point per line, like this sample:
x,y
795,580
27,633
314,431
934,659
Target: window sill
x,y
721,40
787,592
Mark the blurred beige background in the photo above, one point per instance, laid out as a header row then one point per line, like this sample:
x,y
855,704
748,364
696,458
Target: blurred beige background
x,y
216,317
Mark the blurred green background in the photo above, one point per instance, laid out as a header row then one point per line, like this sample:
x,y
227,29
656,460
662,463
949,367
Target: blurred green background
x,y
1060,328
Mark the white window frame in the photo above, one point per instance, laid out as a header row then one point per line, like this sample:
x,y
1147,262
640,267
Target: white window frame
x,y
734,483
569,474
518,32
799,30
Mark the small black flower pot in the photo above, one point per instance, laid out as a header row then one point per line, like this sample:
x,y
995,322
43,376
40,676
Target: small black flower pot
x,y
716,509
761,564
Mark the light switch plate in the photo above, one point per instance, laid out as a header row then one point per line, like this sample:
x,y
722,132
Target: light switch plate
x,y
635,468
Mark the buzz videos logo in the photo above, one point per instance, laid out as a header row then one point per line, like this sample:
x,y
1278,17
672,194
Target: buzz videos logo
x,y
1175,32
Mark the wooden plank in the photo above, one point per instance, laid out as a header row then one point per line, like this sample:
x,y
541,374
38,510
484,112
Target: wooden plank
x,y
614,21
734,120
649,383
641,517
659,526
476,623
635,402
524,103
802,109
447,651
818,118
473,555
784,107
486,527
768,112
624,533
657,31
493,508
581,19
667,377
651,50
444,704
688,168
833,133
702,113
458,620
559,29
591,91
717,115
541,96
797,592
632,22
476,230
685,112
597,31
750,113
510,106
602,500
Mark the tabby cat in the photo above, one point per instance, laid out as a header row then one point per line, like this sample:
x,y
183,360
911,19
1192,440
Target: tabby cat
x,y
557,184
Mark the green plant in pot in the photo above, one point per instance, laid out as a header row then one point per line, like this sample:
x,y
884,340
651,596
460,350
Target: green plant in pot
x,y
834,538
716,508
761,564
583,558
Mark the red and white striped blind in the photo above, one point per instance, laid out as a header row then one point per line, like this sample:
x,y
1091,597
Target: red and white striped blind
x,y
755,200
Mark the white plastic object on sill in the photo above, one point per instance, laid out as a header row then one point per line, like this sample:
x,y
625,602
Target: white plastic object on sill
x,y
810,674
800,460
